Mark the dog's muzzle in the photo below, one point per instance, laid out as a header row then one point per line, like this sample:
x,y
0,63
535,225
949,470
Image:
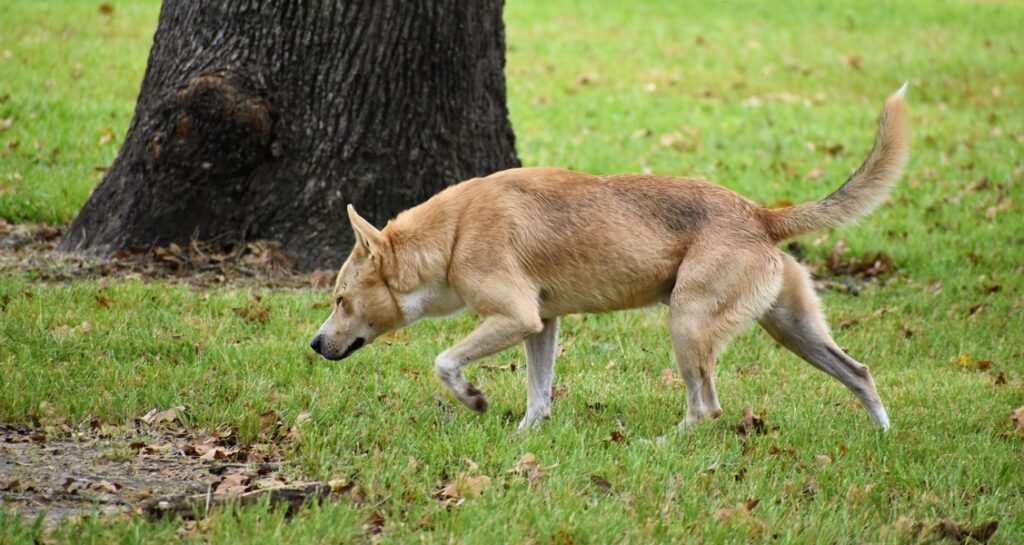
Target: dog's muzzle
x,y
317,344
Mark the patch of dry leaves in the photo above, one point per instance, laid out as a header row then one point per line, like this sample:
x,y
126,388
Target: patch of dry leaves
x,y
31,248
70,470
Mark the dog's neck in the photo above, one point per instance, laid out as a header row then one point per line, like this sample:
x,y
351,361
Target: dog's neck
x,y
421,241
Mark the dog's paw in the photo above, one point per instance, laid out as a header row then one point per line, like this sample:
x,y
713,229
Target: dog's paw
x,y
474,399
531,420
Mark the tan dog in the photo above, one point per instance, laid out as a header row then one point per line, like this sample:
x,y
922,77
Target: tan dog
x,y
524,246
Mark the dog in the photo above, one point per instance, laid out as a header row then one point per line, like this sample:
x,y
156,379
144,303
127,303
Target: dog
x,y
522,247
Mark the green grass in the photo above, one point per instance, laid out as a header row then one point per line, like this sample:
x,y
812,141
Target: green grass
x,y
581,95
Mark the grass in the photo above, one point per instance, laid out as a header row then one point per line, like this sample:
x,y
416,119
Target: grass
x,y
749,94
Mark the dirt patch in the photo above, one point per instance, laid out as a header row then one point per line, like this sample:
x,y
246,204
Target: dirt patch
x,y
30,249
108,473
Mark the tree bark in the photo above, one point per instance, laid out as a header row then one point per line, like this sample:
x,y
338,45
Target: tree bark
x,y
262,119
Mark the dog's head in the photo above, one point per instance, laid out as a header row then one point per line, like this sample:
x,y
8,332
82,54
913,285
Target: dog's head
x,y
364,306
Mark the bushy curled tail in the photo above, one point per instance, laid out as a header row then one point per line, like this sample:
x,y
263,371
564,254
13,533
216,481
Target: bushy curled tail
x,y
863,191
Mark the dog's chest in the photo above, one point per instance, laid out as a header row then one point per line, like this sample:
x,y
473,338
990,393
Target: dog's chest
x,y
434,299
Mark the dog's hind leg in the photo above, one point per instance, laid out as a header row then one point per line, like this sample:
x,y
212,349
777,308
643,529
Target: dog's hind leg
x,y
540,364
518,320
716,294
796,322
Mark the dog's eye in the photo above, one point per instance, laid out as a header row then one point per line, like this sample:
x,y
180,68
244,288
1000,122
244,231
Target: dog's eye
x,y
339,301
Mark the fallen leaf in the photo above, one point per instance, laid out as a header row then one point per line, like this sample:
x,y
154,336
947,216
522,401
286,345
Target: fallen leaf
x,y
106,9
255,312
465,486
374,524
104,486
235,479
106,135
616,436
211,454
741,514
811,487
822,460
529,466
947,529
750,424
528,462
1017,417
964,361
104,301
340,486
668,378
601,483
65,331
852,61
168,416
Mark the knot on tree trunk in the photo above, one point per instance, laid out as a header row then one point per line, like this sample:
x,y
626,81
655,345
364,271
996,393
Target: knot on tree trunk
x,y
215,124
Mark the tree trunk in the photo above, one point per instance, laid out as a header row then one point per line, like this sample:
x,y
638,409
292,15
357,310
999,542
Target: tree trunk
x,y
262,119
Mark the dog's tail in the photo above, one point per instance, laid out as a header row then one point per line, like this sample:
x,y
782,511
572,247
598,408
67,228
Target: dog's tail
x,y
863,191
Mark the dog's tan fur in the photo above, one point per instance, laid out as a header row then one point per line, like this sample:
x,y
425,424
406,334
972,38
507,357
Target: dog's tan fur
x,y
524,246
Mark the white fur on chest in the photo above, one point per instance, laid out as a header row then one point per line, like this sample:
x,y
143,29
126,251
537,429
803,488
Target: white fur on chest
x,y
433,299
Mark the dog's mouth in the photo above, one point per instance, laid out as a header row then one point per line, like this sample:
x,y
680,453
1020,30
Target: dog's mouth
x,y
356,345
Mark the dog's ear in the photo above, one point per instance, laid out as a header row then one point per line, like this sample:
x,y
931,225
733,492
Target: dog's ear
x,y
367,236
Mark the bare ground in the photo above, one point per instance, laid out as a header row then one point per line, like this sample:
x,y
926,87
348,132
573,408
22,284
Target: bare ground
x,y
106,471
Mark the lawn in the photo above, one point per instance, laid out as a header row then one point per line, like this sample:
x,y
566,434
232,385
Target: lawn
x,y
776,101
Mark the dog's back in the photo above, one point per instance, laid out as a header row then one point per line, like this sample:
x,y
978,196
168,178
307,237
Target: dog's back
x,y
594,243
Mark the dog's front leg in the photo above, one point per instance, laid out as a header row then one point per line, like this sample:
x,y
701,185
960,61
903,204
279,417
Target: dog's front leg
x,y
540,363
496,333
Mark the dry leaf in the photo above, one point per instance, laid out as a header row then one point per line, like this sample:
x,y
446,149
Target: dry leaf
x,y
741,514
750,424
616,436
104,486
465,486
215,453
526,464
255,312
1017,417
668,378
169,416
104,301
106,135
601,483
340,486
106,9
947,529
964,361
374,524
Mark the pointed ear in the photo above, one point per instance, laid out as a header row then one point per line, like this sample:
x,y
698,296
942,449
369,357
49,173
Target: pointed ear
x,y
367,236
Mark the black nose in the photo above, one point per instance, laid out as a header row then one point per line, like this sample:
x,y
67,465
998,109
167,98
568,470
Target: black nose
x,y
316,342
